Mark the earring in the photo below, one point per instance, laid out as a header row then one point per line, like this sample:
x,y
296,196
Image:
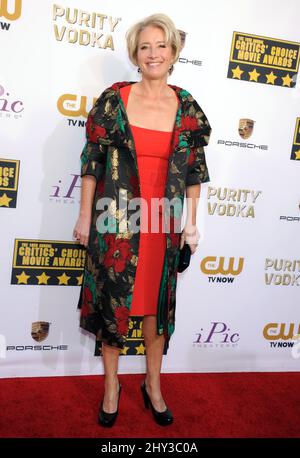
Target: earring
x,y
139,70
171,68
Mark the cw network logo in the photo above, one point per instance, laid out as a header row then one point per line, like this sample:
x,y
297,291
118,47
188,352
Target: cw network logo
x,y
282,335
72,105
11,15
218,269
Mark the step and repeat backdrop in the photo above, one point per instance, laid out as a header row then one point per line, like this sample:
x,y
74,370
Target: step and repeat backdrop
x,y
238,304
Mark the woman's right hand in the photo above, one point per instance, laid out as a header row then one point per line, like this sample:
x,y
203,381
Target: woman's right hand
x,y
191,236
82,229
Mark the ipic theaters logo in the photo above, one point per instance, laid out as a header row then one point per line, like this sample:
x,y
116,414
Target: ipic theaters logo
x,y
47,262
281,335
232,202
9,177
216,335
39,332
84,28
9,107
263,60
295,154
72,106
66,191
282,272
10,10
221,270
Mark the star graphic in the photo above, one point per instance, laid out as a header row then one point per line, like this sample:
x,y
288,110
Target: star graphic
x,y
79,280
63,279
4,200
254,75
140,350
22,278
43,279
271,78
124,351
287,80
237,72
297,154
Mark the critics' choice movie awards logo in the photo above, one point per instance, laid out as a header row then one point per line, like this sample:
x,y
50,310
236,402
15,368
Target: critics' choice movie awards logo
x,y
232,202
295,154
217,335
221,269
47,262
85,28
10,10
283,335
282,272
263,60
9,178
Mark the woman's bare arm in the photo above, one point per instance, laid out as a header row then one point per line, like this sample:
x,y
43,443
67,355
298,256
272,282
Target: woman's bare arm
x,y
82,227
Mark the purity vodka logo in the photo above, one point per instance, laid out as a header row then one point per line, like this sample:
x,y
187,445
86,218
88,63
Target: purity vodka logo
x,y
85,28
232,202
282,272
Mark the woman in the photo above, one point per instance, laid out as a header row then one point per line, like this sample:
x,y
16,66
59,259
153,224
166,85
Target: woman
x,y
144,139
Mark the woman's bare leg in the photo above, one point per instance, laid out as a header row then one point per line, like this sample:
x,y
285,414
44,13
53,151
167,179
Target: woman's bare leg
x,y
154,351
111,383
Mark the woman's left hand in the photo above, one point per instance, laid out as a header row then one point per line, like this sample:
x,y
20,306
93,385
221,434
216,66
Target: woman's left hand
x,y
191,236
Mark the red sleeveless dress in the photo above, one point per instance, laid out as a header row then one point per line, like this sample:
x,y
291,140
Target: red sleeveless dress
x,y
153,151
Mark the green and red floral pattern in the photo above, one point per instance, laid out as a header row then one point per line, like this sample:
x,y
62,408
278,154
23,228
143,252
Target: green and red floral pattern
x,y
109,155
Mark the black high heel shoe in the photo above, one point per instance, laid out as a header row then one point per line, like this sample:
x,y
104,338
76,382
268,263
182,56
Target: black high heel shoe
x,y
162,418
108,419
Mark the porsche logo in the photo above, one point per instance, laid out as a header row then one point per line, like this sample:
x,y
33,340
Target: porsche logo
x,y
40,330
183,37
246,127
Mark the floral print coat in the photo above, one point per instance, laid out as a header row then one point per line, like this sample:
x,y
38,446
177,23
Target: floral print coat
x,y
110,156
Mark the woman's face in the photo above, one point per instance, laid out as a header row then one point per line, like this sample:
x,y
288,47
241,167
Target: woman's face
x,y
154,56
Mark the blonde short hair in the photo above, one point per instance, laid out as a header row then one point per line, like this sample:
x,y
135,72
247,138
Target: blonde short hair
x,y
172,35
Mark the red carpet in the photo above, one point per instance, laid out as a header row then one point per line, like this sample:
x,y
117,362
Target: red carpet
x,y
229,405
